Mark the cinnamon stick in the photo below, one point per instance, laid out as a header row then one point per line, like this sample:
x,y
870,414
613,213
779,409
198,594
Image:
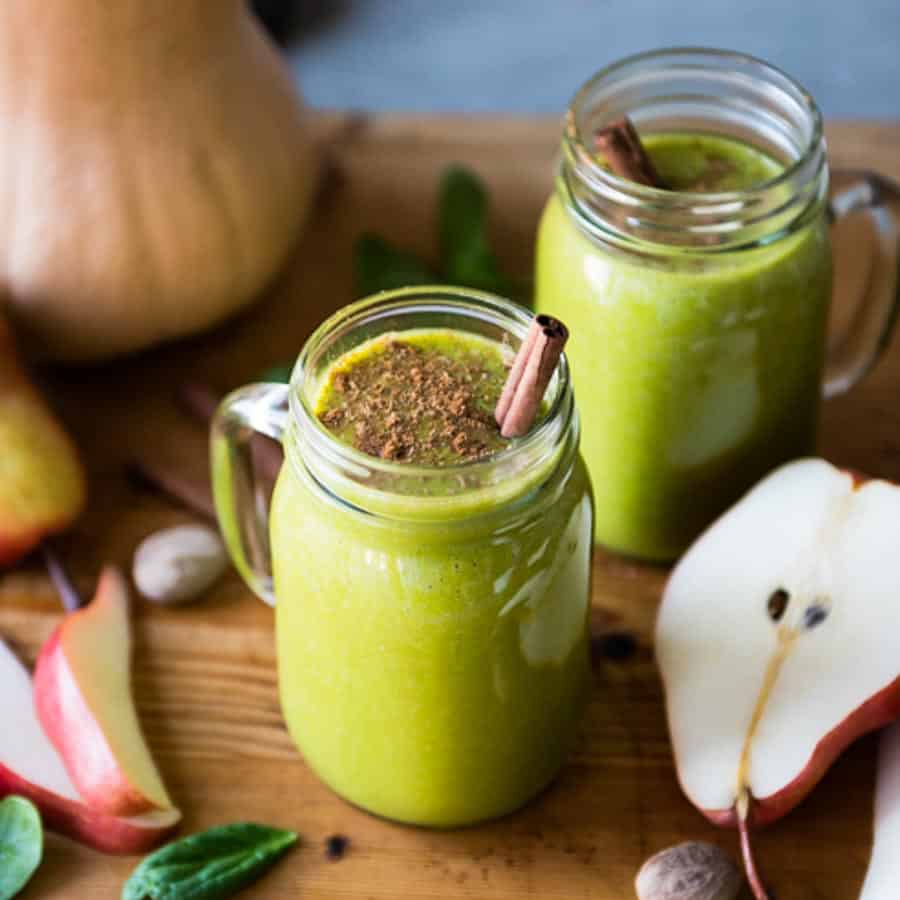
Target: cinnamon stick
x,y
175,484
515,372
529,376
621,144
200,401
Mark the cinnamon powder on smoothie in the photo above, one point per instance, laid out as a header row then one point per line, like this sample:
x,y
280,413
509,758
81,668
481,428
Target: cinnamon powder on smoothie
x,y
425,398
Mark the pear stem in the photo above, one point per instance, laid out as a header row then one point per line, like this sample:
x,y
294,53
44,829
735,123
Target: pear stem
x,y
753,877
71,599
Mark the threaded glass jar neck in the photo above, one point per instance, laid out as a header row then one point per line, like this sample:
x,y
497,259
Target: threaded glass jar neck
x,y
406,490
699,91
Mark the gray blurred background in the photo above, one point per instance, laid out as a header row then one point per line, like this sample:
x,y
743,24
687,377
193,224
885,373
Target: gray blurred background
x,y
529,56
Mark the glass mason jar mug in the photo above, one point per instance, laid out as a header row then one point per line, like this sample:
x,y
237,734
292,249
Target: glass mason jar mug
x,y
431,622
699,319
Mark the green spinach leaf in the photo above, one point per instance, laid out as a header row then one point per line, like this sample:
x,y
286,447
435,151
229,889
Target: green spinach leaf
x,y
463,232
21,844
379,266
209,866
279,373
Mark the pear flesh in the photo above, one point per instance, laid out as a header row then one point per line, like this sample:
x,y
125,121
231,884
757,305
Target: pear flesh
x,y
883,875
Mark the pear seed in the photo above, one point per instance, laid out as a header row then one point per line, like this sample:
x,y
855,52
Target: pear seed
x,y
778,604
691,871
813,615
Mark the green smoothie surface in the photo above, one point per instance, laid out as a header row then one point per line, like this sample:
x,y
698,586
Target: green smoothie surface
x,y
706,163
420,396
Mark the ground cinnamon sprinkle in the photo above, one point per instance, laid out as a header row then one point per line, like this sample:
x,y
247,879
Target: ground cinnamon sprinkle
x,y
413,402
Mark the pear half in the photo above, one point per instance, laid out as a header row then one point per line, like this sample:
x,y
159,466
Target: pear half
x,y
778,639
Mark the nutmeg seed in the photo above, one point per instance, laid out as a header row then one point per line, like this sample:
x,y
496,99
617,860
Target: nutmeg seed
x,y
691,871
178,564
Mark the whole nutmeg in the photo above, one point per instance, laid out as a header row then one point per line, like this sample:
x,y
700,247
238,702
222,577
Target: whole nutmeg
x,y
691,871
178,564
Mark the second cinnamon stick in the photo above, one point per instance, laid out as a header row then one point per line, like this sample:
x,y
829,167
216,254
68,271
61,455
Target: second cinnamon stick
x,y
621,144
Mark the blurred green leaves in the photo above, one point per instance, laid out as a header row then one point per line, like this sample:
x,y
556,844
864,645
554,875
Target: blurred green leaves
x,y
379,266
466,256
463,231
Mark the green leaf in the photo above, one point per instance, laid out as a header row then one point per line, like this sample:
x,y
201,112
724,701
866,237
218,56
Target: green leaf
x,y
463,231
279,374
210,865
21,844
379,266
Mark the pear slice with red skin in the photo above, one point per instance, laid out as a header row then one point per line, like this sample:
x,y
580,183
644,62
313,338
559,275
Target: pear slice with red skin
x,y
42,483
883,875
30,767
82,686
778,639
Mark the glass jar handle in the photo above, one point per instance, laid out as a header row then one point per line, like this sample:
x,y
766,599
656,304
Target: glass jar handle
x,y
870,326
241,504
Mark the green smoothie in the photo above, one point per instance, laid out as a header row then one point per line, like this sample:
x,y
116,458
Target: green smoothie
x,y
433,665
706,163
695,374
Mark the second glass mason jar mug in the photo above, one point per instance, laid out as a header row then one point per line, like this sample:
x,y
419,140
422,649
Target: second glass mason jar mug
x,y
699,319
431,623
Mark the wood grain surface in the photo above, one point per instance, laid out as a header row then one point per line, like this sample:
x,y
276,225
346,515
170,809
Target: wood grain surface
x,y
205,675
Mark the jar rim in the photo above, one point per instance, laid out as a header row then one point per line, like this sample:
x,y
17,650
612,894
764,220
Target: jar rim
x,y
339,465
717,220
789,171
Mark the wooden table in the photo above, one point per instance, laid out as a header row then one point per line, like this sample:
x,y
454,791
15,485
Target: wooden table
x,y
205,675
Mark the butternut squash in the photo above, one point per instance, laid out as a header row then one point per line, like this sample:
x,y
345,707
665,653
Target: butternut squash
x,y
155,169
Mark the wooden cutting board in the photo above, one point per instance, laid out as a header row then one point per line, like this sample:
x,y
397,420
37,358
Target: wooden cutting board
x,y
205,675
